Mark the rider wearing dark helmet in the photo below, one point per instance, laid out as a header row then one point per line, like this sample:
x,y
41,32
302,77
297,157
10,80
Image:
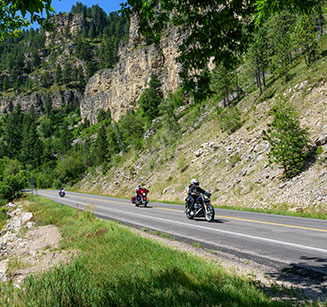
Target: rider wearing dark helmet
x,y
194,191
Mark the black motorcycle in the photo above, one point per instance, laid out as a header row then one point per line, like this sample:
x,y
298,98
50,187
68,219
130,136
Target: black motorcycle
x,y
62,193
202,208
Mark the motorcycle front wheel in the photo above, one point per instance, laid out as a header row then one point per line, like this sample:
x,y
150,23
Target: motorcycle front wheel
x,y
188,215
210,213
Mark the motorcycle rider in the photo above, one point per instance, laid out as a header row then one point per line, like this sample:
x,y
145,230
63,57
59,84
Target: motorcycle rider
x,y
137,193
194,192
62,191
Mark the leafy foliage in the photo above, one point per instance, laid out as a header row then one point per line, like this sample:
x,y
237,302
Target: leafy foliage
x,y
12,15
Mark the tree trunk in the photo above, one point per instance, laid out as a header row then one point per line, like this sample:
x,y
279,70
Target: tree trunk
x,y
263,75
320,20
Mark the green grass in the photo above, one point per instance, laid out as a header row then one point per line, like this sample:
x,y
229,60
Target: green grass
x,y
3,216
279,210
116,267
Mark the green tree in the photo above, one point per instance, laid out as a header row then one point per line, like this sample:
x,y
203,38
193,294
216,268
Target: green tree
x,y
257,57
167,109
58,78
36,60
48,105
289,142
45,79
151,99
304,38
31,151
280,42
12,179
224,82
101,145
65,138
81,77
90,69
67,73
13,15
13,132
83,49
5,84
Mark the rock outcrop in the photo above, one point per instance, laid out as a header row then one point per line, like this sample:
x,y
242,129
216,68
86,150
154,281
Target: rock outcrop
x,y
119,89
75,24
37,100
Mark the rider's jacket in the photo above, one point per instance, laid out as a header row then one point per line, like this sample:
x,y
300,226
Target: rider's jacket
x,y
140,191
193,189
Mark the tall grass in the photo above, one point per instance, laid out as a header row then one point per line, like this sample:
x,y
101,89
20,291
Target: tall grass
x,y
116,267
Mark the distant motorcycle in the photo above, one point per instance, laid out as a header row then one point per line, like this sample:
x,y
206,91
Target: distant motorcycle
x,y
202,208
142,199
62,193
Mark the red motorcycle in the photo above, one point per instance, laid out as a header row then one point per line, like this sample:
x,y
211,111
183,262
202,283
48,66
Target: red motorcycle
x,y
142,198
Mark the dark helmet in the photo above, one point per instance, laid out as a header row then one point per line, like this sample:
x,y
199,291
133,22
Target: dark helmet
x,y
195,182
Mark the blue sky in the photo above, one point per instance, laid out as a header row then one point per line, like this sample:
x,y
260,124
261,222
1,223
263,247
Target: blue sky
x,y
65,6
107,5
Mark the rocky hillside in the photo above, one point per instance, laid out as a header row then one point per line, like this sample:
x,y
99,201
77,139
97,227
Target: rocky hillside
x,y
234,167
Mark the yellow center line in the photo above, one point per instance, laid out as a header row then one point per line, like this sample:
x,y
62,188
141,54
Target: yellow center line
x,y
222,216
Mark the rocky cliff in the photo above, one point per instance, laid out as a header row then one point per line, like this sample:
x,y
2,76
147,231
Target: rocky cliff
x,y
73,24
37,100
234,167
119,89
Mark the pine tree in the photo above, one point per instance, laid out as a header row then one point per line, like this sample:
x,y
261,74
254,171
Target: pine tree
x,y
58,78
90,69
151,99
48,105
65,138
81,77
5,84
31,150
304,38
289,142
13,132
101,145
67,73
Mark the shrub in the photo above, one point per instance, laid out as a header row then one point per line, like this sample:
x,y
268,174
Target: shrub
x,y
229,119
12,185
289,142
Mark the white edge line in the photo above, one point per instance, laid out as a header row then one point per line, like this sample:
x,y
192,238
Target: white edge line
x,y
214,230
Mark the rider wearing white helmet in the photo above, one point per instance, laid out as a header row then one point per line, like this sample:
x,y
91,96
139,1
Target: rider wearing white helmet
x,y
194,192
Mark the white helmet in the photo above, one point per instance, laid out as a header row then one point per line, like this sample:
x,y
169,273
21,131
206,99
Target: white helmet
x,y
195,182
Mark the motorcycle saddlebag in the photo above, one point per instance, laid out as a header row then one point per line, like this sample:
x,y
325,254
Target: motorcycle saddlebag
x,y
133,199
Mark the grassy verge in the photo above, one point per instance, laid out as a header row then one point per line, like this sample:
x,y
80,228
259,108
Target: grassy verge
x,y
280,210
118,268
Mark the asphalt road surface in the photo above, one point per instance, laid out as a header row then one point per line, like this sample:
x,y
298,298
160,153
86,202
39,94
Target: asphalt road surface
x,y
291,244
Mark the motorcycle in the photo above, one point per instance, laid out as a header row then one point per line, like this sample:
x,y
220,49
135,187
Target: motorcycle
x,y
142,198
62,193
202,208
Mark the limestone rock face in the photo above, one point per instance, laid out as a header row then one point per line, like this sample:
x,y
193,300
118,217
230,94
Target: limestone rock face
x,y
74,23
120,88
37,100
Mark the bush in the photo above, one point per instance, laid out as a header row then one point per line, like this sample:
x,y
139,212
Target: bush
x,y
229,119
11,187
289,142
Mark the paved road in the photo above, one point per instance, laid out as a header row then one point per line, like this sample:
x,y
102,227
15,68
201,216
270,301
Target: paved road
x,y
291,244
